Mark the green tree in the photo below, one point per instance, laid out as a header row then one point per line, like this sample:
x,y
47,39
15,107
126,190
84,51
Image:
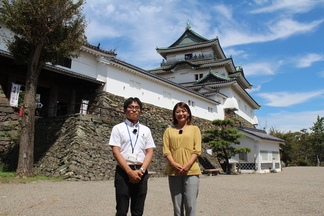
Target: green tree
x,y
287,149
44,31
297,148
305,149
317,139
222,138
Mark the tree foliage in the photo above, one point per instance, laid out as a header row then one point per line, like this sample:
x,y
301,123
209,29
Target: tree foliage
x,y
221,139
317,140
44,31
303,147
55,26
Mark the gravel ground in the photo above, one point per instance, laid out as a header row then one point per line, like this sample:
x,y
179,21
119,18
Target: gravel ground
x,y
295,191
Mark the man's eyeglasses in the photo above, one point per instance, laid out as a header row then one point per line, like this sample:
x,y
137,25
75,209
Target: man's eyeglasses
x,y
134,107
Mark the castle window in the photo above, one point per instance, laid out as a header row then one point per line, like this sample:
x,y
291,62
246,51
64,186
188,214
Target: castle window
x,y
191,103
198,76
243,156
275,156
65,62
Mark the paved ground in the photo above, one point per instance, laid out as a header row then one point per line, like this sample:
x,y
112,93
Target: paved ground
x,y
296,191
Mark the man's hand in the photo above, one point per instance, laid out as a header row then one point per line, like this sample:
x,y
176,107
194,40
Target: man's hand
x,y
135,176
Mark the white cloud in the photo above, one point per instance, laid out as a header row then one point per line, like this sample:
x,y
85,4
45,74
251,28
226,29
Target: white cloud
x,y
254,89
285,99
259,69
308,60
321,74
289,121
293,6
235,52
143,26
261,2
287,27
272,31
139,27
224,10
96,31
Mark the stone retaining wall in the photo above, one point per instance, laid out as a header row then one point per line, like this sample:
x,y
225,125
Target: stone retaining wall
x,y
9,132
75,147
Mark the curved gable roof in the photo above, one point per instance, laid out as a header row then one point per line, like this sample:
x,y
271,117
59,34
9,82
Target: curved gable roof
x,y
191,40
179,63
260,134
189,37
213,77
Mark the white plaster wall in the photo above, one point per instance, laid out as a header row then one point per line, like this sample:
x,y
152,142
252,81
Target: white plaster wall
x,y
85,64
245,110
188,74
257,145
4,34
149,90
132,84
268,145
221,70
247,142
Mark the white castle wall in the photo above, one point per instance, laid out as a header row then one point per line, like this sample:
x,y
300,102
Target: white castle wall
x,y
127,82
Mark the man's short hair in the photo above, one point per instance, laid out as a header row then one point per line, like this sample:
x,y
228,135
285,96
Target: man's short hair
x,y
133,99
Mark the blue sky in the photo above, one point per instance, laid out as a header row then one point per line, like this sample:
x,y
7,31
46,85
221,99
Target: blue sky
x,y
279,44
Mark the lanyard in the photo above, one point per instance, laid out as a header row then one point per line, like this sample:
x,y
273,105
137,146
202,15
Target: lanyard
x,y
130,138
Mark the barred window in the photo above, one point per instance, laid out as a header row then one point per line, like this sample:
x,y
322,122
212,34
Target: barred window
x,y
275,155
264,155
65,62
243,156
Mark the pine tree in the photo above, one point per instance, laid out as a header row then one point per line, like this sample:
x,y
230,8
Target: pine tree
x,y
317,139
222,138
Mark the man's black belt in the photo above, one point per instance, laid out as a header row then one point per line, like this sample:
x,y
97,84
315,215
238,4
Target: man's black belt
x,y
135,167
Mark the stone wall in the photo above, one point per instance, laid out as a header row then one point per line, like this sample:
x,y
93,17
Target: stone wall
x,y
75,147
9,132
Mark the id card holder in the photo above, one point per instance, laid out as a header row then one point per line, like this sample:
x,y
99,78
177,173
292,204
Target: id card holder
x,y
131,157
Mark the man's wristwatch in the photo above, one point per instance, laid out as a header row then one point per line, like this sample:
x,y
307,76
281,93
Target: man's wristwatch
x,y
143,170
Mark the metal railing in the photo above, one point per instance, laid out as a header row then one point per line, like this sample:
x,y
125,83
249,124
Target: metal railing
x,y
191,59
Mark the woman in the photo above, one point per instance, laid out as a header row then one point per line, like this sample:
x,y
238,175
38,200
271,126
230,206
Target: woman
x,y
182,146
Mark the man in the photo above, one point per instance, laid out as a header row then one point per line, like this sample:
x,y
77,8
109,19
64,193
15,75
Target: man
x,y
132,145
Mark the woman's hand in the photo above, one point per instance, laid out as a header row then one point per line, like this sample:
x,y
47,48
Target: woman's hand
x,y
178,167
185,169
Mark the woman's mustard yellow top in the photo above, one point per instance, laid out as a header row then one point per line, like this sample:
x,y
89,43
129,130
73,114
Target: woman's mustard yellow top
x,y
181,147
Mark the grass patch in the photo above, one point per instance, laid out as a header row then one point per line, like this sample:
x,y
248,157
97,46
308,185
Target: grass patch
x,y
9,177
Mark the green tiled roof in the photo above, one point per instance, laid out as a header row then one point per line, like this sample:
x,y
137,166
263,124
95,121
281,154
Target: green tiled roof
x,y
188,37
212,76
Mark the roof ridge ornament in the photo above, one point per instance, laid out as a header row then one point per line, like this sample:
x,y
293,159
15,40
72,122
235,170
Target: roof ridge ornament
x,y
188,25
